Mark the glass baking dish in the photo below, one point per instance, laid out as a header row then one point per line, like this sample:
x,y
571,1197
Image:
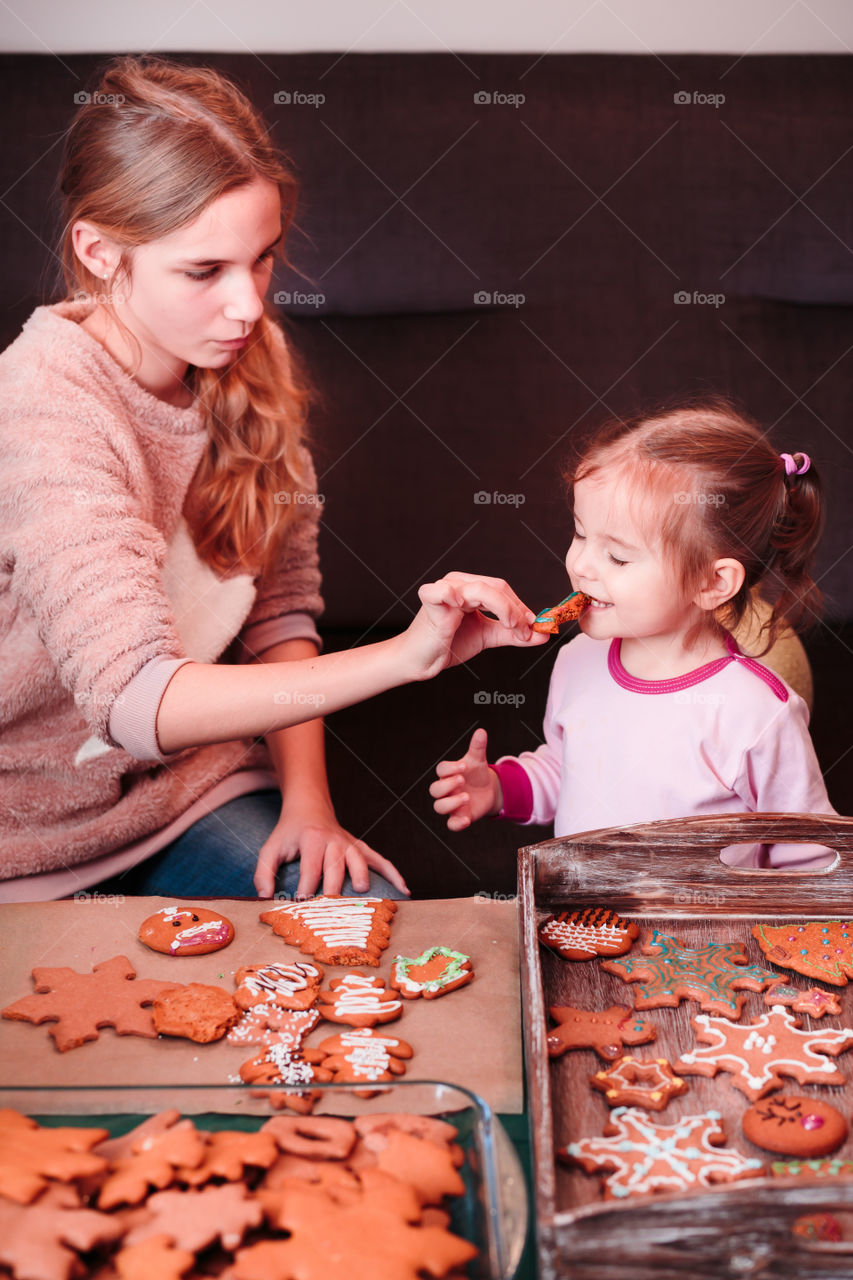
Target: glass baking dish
x,y
492,1214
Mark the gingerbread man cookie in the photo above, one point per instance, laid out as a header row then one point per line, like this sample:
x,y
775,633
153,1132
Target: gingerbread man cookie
x,y
761,1052
186,931
606,1032
640,1155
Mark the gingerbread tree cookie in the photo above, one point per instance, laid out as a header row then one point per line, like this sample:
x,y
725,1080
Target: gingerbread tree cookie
x,y
81,1003
642,1155
337,930
716,975
818,948
761,1052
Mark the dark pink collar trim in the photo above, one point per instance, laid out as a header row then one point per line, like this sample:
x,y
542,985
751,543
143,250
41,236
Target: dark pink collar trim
x,y
622,677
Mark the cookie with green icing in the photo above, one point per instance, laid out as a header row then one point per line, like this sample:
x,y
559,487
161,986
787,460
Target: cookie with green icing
x,y
433,973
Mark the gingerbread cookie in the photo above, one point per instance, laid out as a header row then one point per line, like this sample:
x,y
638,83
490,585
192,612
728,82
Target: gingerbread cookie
x,y
819,1226
228,1154
278,1064
639,1082
82,1003
550,620
606,1032
818,948
806,1170
319,1137
371,1226
31,1157
154,1162
270,1024
195,1219
717,975
433,973
640,1155
795,1126
364,1055
815,1002
45,1239
186,931
359,1001
761,1052
196,1012
587,933
337,930
293,986
156,1256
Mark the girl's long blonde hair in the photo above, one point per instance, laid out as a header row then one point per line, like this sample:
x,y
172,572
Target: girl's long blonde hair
x,y
156,143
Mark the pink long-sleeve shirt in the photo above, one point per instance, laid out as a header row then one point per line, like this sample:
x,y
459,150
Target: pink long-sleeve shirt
x,y
102,599
729,737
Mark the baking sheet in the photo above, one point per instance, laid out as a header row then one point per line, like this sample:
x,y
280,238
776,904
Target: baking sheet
x,y
470,1037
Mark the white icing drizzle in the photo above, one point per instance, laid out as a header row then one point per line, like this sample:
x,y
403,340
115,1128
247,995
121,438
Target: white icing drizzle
x,y
210,931
357,994
339,922
281,979
369,1054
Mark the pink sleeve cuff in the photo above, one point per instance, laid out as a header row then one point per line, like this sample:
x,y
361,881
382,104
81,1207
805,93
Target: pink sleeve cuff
x,y
133,718
517,791
261,636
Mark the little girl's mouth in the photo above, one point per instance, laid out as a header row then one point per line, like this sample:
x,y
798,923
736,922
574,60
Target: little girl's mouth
x,y
600,604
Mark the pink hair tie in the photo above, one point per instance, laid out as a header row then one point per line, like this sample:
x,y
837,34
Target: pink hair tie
x,y
791,468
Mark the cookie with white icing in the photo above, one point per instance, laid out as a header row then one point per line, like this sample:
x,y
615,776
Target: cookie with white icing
x,y
186,931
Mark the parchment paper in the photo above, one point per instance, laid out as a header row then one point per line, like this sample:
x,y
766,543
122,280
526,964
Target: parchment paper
x,y
470,1037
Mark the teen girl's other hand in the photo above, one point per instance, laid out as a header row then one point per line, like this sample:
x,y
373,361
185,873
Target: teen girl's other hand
x,y
450,626
326,853
467,789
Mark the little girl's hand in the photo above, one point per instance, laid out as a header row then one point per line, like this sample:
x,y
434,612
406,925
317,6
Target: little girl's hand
x,y
450,628
467,789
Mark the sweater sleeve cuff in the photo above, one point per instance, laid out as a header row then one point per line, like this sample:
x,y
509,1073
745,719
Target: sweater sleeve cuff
x,y
517,791
261,636
133,718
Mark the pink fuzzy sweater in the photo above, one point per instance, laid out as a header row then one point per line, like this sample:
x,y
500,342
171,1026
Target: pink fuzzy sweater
x,y
102,598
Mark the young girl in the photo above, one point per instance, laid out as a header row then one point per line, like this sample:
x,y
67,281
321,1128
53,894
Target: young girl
x,y
158,514
653,711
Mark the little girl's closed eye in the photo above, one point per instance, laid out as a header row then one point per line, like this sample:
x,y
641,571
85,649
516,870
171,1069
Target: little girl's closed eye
x,y
680,520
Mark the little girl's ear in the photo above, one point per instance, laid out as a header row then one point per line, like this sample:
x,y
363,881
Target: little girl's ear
x,y
725,580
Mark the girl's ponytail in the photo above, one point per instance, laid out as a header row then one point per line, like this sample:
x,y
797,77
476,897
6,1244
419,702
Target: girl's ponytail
x,y
794,541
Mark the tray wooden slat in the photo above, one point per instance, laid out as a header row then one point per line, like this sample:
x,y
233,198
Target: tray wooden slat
x,y
670,871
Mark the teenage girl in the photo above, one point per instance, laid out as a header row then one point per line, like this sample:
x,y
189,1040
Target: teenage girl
x,y
158,531
653,711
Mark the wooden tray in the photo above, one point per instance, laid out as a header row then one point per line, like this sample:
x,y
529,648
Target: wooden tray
x,y
667,875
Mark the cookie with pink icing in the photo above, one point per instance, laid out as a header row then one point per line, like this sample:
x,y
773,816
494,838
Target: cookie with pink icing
x,y
291,986
359,1001
335,929
186,931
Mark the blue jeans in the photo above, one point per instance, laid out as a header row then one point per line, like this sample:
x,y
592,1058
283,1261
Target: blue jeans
x,y
216,858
